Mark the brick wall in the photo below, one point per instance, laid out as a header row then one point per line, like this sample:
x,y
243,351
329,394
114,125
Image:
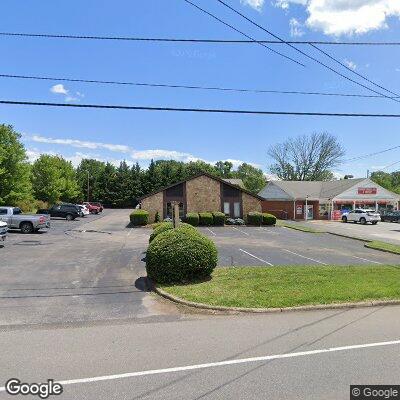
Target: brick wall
x,y
282,208
203,194
152,204
250,203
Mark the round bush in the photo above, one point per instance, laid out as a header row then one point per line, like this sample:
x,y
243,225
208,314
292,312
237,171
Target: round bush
x,y
206,219
219,218
192,219
139,217
254,218
268,219
187,228
178,255
164,226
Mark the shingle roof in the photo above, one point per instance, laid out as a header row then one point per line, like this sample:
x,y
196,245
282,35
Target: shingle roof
x,y
233,181
316,189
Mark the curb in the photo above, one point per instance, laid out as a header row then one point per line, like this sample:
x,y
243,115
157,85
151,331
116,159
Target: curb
x,y
384,250
350,237
333,306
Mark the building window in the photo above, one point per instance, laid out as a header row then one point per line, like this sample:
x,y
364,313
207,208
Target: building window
x,y
236,209
227,208
169,210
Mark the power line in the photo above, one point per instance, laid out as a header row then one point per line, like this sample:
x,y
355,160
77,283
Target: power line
x,y
307,55
371,154
193,40
194,87
199,110
242,33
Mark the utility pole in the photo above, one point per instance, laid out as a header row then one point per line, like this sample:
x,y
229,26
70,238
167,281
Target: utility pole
x,y
88,186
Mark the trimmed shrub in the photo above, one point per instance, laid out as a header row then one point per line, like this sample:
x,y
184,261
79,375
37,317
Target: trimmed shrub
x,y
139,217
234,221
192,219
268,219
179,255
187,228
206,219
254,218
219,218
164,226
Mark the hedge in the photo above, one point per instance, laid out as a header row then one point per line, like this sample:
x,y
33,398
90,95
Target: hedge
x,y
139,217
254,218
219,218
184,227
162,227
179,255
206,219
268,219
192,219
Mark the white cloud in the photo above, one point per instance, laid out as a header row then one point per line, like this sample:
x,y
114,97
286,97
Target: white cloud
x,y
296,28
59,89
256,4
346,17
351,64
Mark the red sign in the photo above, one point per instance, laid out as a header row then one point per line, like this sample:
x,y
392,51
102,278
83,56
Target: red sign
x,y
367,190
336,215
299,210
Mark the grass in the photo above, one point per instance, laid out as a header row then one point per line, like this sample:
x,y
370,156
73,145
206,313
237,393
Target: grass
x,y
377,245
254,287
294,225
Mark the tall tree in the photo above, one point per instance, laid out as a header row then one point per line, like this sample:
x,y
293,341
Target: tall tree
x,y
253,178
389,181
88,174
306,158
224,169
15,185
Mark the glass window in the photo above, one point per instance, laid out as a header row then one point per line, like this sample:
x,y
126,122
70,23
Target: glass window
x,y
3,211
226,208
17,211
236,209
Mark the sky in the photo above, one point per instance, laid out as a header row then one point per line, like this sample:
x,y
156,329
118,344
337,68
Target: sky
x,y
114,135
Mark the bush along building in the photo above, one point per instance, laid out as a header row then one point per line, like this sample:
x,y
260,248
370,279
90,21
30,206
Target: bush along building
x,y
199,194
325,200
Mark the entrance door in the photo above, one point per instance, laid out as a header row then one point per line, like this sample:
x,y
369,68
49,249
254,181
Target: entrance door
x,y
310,212
232,209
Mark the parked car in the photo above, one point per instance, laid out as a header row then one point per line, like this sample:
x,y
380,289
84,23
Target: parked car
x,y
67,211
83,210
3,231
362,216
93,209
391,216
28,223
97,204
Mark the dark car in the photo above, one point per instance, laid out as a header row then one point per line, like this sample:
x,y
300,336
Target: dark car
x,y
391,216
67,211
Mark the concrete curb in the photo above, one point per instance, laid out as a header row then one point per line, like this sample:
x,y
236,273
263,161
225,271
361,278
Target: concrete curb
x,y
350,237
384,250
334,306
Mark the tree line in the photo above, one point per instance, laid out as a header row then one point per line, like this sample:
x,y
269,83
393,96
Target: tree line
x,y
51,178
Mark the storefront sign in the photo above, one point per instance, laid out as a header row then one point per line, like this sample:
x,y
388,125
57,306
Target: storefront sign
x,y
336,215
299,210
367,190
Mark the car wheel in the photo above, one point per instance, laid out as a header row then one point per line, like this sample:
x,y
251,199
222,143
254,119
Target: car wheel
x,y
26,227
374,222
363,221
344,219
69,217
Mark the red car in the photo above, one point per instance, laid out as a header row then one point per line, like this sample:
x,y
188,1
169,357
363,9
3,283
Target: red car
x,y
97,204
93,209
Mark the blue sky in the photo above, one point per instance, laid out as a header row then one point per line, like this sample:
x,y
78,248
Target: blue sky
x,y
140,135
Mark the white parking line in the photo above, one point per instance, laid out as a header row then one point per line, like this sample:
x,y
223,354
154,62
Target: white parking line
x,y
244,233
213,233
365,259
308,258
224,363
257,258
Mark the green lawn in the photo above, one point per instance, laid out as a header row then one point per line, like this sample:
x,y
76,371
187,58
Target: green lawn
x,y
297,227
375,244
260,287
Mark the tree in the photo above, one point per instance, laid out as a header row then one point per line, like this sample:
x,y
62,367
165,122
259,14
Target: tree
x,y
224,169
306,158
54,179
15,185
253,178
389,181
92,169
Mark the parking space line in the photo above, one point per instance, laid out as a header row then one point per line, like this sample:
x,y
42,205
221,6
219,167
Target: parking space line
x,y
213,233
257,258
308,258
365,259
244,233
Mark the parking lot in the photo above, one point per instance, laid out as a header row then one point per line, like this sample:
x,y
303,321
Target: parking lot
x,y
93,268
240,246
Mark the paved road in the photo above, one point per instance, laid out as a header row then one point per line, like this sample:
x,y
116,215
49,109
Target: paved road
x,y
248,246
91,269
87,351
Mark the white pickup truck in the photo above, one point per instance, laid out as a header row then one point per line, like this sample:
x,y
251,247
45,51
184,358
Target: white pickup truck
x,y
362,216
27,223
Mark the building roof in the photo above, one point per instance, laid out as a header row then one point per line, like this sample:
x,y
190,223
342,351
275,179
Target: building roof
x,y
236,182
209,176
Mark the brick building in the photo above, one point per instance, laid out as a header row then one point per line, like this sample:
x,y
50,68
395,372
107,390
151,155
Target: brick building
x,y
320,200
201,193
